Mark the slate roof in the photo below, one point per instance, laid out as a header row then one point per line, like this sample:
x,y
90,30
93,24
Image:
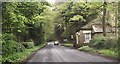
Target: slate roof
x,y
99,28
96,26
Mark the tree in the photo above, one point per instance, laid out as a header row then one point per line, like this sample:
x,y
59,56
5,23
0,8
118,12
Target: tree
x,y
27,20
119,30
110,16
104,18
74,15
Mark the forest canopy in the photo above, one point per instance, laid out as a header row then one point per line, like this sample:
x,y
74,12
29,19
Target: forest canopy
x,y
27,20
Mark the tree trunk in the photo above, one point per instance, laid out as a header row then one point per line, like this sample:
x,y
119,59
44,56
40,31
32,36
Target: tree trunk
x,y
116,19
104,17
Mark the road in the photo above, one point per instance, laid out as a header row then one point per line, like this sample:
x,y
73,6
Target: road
x,y
56,53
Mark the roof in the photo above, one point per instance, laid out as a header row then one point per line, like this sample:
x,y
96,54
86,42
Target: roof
x,y
88,26
99,28
96,25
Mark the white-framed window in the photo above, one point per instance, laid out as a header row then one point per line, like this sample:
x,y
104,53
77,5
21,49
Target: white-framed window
x,y
87,37
87,34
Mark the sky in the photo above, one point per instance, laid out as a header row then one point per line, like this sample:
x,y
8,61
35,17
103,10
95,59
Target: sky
x,y
51,1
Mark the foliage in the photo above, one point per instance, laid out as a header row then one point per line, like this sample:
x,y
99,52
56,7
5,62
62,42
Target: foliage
x,y
85,48
118,51
27,20
28,45
21,56
105,52
105,43
77,18
119,30
68,44
0,48
0,59
10,46
109,53
6,37
22,22
98,42
73,15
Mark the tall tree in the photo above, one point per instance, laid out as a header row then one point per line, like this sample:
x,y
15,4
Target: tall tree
x,y
104,18
76,14
26,20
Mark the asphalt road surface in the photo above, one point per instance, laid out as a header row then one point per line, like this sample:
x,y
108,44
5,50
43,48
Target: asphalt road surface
x,y
56,53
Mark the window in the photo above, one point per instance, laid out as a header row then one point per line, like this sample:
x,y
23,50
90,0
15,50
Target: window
x,y
87,37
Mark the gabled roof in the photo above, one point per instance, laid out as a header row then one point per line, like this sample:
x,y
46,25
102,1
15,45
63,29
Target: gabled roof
x,y
95,21
98,28
96,25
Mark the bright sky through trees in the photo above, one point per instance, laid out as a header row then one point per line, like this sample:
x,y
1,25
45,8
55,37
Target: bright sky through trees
x,y
51,1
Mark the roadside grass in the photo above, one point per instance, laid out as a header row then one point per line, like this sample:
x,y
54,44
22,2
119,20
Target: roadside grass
x,y
0,59
104,52
21,56
105,46
68,44
110,53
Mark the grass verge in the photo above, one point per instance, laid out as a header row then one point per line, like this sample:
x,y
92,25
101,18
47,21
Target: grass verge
x,y
0,59
104,52
110,53
68,44
21,56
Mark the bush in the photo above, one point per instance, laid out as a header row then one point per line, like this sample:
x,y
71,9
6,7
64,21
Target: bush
x,y
104,43
0,43
68,44
7,37
98,42
85,48
9,45
118,50
111,43
20,56
28,44
109,53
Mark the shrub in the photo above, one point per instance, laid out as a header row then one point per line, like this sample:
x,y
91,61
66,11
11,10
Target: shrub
x,y
9,45
68,44
20,56
109,53
0,44
19,47
85,48
111,43
118,50
104,43
98,42
7,37
28,44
